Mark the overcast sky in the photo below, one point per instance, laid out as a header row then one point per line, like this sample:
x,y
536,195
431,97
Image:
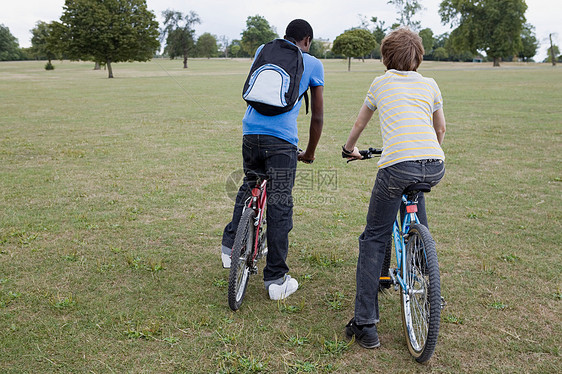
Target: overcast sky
x,y
329,18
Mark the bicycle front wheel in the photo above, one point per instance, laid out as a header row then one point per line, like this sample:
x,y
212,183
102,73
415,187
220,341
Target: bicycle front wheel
x,y
241,258
421,303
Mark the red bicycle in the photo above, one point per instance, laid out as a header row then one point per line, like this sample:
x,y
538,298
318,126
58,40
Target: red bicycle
x,y
250,244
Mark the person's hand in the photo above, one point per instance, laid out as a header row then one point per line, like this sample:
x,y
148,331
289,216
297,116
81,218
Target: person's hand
x,y
354,155
306,158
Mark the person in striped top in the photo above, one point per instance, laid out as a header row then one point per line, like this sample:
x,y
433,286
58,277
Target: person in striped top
x,y
412,124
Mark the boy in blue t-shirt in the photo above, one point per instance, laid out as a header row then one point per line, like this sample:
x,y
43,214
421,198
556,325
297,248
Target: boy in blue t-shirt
x,y
270,151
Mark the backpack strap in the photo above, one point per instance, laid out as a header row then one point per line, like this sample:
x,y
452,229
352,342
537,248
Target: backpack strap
x,y
305,94
306,100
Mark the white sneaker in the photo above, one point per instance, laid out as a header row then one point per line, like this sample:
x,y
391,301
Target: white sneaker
x,y
284,290
225,256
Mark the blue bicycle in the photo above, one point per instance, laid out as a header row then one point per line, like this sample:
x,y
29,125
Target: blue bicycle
x,y
416,273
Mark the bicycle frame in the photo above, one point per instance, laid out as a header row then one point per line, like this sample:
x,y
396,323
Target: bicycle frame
x,y
398,233
258,202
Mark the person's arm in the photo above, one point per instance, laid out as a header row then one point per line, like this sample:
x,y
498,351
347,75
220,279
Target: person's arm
x,y
365,115
439,125
316,123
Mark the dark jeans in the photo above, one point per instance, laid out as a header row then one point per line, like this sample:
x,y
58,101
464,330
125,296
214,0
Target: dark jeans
x,y
275,159
386,199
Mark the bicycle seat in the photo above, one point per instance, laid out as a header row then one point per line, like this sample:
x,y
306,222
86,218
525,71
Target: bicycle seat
x,y
420,187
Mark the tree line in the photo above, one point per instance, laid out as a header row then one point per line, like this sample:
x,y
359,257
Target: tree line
x,y
496,28
111,31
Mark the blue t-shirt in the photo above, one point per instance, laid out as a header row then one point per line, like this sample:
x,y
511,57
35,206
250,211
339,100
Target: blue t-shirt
x,y
284,126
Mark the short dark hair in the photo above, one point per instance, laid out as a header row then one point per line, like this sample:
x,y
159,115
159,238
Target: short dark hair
x,y
402,50
298,29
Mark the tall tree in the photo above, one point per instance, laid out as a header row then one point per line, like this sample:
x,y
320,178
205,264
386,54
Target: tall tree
x,y
354,43
9,47
207,46
258,32
427,40
529,42
109,31
41,47
492,26
179,33
407,9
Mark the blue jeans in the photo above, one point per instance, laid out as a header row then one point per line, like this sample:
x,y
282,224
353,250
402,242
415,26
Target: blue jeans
x,y
386,199
275,159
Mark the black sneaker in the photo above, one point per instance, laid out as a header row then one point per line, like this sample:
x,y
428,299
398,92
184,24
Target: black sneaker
x,y
366,336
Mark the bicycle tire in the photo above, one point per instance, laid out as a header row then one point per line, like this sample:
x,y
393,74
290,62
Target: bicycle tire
x,y
421,307
241,256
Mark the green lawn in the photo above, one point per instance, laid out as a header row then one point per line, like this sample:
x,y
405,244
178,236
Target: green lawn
x,y
113,198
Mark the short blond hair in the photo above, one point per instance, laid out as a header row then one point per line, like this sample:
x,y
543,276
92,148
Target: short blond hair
x,y
402,50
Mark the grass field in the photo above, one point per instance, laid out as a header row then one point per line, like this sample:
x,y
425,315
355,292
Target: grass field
x,y
113,198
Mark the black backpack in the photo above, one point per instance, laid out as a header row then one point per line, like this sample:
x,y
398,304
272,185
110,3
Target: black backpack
x,y
272,86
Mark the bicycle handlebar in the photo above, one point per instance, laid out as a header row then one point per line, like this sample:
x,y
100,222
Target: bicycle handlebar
x,y
366,153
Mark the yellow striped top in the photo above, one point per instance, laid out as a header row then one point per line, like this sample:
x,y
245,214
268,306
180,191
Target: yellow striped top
x,y
406,102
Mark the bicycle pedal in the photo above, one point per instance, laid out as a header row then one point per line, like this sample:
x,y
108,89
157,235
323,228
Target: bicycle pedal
x,y
384,283
443,303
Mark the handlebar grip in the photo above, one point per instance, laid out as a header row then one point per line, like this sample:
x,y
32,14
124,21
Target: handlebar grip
x,y
365,154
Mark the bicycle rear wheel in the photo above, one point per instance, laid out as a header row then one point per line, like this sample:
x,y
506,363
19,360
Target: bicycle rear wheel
x,y
241,258
421,305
